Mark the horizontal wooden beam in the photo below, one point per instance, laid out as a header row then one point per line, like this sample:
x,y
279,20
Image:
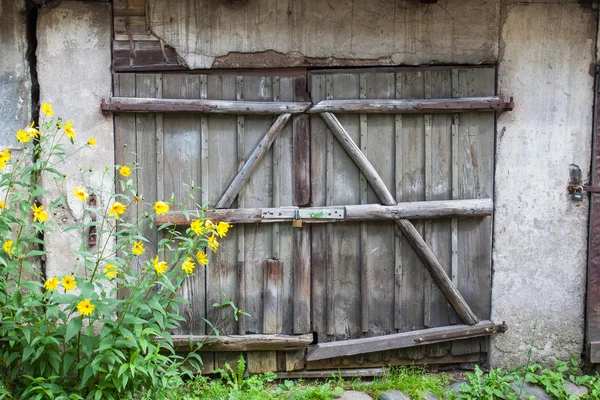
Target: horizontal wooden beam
x,y
452,105
362,212
141,105
241,342
402,340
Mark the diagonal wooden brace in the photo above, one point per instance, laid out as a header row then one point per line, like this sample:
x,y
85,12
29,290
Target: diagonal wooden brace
x,y
259,152
408,230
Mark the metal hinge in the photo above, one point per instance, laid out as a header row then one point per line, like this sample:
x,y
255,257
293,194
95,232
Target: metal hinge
x,y
303,213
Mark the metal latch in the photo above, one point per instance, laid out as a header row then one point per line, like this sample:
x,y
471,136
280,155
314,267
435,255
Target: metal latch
x,y
309,213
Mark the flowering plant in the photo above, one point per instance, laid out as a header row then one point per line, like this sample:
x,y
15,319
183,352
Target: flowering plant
x,y
72,336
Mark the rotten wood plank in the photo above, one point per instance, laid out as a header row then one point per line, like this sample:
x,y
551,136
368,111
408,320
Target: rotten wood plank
x,y
140,105
402,340
465,104
301,147
252,162
229,343
302,274
431,263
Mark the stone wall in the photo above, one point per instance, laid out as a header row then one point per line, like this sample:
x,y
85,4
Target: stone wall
x,y
15,80
74,71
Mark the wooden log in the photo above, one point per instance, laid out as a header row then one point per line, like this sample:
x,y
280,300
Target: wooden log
x,y
241,342
362,212
451,105
401,340
252,162
141,105
423,251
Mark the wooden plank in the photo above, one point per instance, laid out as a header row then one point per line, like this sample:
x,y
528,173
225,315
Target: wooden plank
x,y
302,280
295,360
241,234
491,103
221,278
398,162
181,166
352,213
401,340
427,234
301,146
147,55
318,176
237,343
329,266
411,188
261,361
379,249
409,231
343,185
252,162
272,301
364,273
140,105
392,358
476,136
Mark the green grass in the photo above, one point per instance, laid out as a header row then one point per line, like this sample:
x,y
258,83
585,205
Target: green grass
x,y
231,384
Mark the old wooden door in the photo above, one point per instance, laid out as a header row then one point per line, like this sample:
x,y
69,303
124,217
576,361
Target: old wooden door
x,y
331,278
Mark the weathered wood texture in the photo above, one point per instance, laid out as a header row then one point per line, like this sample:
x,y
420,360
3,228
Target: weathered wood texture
x,y
396,148
241,342
395,106
152,105
401,340
366,212
345,280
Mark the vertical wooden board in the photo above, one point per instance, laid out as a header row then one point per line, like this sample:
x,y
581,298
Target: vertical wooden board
x,y
476,162
181,167
227,357
125,142
441,189
318,173
272,292
221,274
261,361
286,241
257,193
475,180
413,189
345,246
380,238
294,360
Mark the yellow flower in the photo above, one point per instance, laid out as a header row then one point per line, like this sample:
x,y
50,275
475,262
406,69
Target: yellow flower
x,y
117,209
222,228
32,132
69,131
197,227
4,158
92,141
22,136
47,109
159,266
85,307
7,246
125,171
51,283
160,207
2,205
202,258
69,283
209,224
80,193
138,248
212,243
188,266
111,271
38,213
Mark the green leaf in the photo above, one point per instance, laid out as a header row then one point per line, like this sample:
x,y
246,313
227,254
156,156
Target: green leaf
x,y
73,328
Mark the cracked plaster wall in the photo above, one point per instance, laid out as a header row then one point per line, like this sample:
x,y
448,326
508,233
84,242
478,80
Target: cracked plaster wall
x,y
15,81
401,31
74,71
547,53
